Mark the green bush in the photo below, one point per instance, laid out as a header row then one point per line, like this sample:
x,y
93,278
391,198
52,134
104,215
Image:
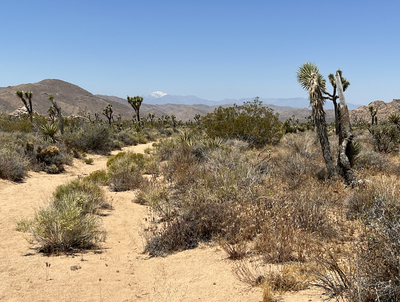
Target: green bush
x,y
250,122
94,198
68,222
92,137
386,137
63,226
125,171
99,177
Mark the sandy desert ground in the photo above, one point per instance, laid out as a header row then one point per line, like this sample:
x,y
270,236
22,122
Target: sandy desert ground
x,y
119,271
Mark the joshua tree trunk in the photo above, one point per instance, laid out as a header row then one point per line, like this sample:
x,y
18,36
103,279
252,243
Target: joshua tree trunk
x,y
320,124
345,137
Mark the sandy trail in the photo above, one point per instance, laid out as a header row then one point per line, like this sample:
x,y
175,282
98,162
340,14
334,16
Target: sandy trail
x,y
120,272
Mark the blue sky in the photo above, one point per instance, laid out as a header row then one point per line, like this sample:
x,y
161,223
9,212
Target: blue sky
x,y
212,49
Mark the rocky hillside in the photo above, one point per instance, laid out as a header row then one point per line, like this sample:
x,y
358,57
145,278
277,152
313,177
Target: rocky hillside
x,y
71,98
384,110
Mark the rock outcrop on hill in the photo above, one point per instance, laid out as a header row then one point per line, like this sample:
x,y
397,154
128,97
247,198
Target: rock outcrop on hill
x,y
384,110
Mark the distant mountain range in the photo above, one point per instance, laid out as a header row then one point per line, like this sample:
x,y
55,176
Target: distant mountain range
x,y
74,99
159,98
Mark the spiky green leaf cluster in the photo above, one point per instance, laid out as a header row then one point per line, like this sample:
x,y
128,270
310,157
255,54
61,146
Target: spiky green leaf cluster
x,y
345,82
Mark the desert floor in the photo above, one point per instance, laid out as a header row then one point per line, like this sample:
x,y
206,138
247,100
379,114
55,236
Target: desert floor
x,y
119,271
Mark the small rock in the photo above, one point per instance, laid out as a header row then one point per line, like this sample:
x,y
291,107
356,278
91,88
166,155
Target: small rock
x,y
75,267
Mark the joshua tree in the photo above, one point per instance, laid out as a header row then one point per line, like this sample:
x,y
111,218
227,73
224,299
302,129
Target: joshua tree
x,y
311,80
151,117
28,104
197,117
57,109
373,111
173,119
135,102
333,97
108,112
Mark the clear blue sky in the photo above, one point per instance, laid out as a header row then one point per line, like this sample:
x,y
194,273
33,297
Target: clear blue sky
x,y
212,49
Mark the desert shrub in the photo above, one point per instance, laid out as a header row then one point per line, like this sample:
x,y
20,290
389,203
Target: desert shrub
x,y
272,278
125,171
127,138
13,165
282,241
371,160
21,123
50,159
122,158
371,271
385,136
199,201
92,137
305,144
62,227
93,198
165,148
126,180
99,177
88,161
181,166
68,222
250,122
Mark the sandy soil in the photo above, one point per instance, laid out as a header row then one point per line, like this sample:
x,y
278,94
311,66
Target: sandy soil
x,y
120,271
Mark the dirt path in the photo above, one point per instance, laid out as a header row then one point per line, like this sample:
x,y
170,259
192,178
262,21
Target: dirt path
x,y
121,272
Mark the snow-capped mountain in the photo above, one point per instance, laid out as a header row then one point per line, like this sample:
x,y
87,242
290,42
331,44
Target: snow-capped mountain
x,y
155,95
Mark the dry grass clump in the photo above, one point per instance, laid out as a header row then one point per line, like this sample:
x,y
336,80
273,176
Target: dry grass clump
x,y
370,272
297,159
273,279
68,222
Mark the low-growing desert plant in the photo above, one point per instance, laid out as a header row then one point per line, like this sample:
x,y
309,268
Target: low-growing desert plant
x,y
125,171
386,137
13,165
88,161
91,137
371,270
62,227
99,177
69,221
93,197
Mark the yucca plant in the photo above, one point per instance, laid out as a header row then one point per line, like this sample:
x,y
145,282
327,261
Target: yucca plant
x,y
49,130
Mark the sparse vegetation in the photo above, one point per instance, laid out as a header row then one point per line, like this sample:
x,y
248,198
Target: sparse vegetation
x,y
260,189
68,222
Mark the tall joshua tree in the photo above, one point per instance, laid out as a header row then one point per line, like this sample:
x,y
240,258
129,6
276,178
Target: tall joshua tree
x,y
108,113
135,102
151,117
373,111
28,104
311,80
